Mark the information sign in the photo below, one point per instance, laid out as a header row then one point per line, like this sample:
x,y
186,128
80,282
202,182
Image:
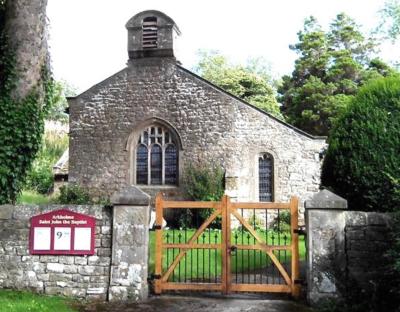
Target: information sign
x,y
62,232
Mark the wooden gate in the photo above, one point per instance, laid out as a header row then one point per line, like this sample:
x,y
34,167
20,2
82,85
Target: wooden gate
x,y
237,247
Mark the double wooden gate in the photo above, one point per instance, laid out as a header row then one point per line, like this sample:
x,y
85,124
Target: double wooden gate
x,y
236,247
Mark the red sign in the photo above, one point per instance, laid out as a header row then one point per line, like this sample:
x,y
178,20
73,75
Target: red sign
x,y
62,232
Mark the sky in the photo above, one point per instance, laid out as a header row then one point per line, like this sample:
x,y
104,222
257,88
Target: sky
x,y
88,39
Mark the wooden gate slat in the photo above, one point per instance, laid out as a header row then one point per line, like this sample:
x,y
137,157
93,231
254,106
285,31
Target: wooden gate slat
x,y
193,238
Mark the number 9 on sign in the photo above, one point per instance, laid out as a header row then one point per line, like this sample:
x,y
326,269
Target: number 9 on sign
x,y
62,238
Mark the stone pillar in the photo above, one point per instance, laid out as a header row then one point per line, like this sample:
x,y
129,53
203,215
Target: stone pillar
x,y
326,259
130,243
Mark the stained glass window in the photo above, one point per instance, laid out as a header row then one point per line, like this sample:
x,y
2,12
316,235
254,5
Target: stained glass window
x,y
156,164
265,178
141,167
170,164
156,144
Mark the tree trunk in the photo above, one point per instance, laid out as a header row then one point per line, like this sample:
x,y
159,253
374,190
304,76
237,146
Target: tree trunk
x,y
25,26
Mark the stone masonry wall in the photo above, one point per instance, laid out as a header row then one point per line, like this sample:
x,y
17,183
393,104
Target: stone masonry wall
x,y
74,276
213,127
345,250
368,238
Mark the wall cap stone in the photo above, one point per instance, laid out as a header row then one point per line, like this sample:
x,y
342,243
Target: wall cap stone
x,y
325,199
130,196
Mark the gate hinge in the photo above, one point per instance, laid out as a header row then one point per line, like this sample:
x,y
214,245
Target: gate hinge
x,y
157,227
300,231
300,282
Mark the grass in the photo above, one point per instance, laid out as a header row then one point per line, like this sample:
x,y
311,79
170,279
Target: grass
x,y
18,301
200,263
32,197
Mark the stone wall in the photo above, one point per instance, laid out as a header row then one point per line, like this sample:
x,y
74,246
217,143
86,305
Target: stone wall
x,y
345,249
213,127
117,271
77,276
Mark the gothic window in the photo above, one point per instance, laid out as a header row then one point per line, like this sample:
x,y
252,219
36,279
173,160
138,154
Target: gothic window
x,y
265,178
156,157
149,32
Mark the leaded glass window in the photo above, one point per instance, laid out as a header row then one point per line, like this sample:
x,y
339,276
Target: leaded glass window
x,y
156,164
156,157
142,163
265,178
170,164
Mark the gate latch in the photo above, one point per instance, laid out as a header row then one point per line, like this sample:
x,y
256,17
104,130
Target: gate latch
x,y
232,249
300,231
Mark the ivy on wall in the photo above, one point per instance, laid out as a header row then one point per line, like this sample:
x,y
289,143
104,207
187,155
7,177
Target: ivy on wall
x,y
21,120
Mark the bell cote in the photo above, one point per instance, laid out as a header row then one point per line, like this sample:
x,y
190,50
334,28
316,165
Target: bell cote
x,y
150,34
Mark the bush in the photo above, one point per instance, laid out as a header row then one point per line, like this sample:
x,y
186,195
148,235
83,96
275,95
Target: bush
x,y
73,194
202,183
364,148
40,177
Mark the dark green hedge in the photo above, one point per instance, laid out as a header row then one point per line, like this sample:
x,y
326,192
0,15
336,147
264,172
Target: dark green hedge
x,y
362,163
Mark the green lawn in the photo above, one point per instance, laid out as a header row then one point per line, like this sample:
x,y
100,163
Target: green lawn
x,y
31,197
204,263
16,301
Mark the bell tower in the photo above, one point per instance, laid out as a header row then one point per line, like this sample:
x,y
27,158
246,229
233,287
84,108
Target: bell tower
x,y
150,34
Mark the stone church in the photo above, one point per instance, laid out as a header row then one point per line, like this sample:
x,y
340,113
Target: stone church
x,y
145,124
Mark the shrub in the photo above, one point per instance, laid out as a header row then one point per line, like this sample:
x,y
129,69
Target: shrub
x,y
40,176
202,182
364,148
73,194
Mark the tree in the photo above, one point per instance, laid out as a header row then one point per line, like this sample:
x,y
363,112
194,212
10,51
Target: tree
x,y
62,89
362,163
249,83
330,69
26,89
390,20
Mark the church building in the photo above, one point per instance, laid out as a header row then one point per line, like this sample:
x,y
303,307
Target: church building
x,y
145,124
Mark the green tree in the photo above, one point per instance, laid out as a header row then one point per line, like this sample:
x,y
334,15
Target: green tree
x,y
62,90
331,67
250,83
362,163
390,20
26,90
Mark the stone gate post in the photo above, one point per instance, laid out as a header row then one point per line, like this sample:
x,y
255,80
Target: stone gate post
x,y
129,262
326,259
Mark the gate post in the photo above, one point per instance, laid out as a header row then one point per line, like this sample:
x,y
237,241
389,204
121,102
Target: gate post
x,y
325,225
130,242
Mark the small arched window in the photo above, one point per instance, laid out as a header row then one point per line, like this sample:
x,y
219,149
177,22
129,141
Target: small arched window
x,y
156,157
149,32
265,177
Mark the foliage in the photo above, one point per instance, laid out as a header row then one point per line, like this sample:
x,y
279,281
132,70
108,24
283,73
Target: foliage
x,y
251,83
73,194
282,222
204,182
331,67
390,20
62,89
21,120
33,198
18,301
40,177
364,148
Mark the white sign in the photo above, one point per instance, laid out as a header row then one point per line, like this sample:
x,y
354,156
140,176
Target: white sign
x,y
62,238
82,238
41,238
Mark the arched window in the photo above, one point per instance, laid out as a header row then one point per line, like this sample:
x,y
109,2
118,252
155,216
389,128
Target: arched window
x,y
265,177
149,32
156,157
